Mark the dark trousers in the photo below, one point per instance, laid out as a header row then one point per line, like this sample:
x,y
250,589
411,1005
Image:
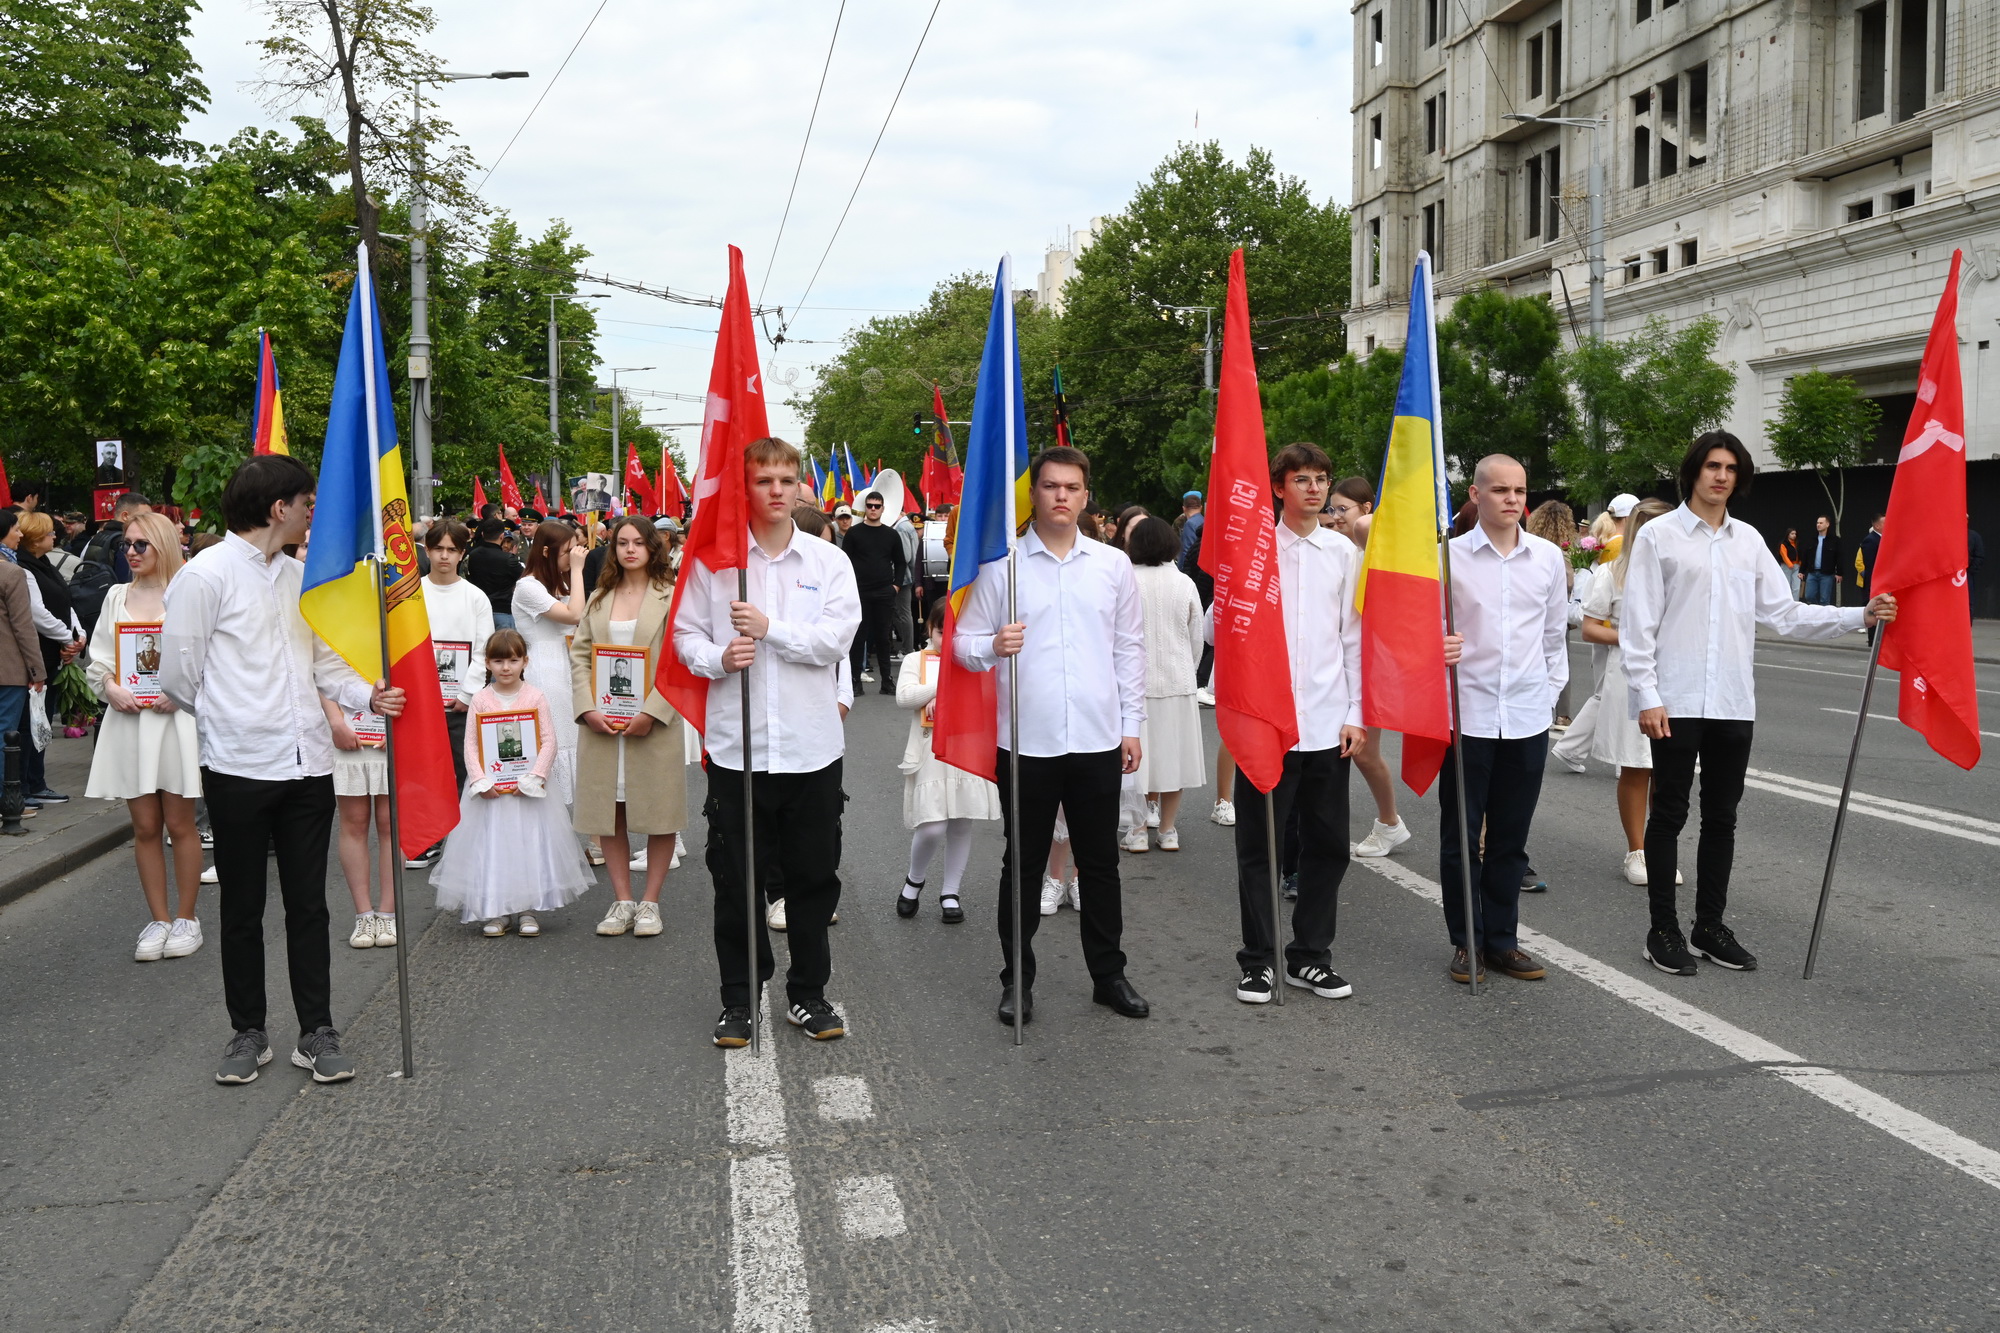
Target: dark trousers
x,y
250,816
798,830
1503,781
454,727
1085,787
878,627
1723,749
1313,791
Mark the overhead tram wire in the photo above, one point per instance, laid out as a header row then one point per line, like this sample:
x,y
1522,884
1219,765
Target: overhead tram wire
x,y
894,102
811,120
547,88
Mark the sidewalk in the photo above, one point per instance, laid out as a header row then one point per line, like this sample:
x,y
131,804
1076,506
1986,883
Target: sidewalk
x,y
62,837
1985,642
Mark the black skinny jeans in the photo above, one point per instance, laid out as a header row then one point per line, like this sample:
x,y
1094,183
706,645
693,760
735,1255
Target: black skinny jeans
x,y
798,832
1311,798
878,630
1723,748
250,816
1503,783
1085,787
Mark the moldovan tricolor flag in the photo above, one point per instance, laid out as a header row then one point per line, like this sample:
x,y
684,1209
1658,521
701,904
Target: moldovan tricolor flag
x,y
719,535
361,511
1400,596
1254,707
1923,557
965,729
267,428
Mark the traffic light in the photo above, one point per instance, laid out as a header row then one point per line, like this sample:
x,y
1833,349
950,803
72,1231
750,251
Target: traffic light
x,y
917,424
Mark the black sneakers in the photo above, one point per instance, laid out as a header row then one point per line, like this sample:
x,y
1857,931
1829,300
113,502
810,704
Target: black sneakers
x,y
1320,981
246,1052
817,1019
319,1051
1717,943
1289,887
1255,986
733,1028
1668,951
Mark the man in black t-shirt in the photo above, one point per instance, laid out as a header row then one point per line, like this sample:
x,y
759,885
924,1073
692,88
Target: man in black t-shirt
x,y
492,570
881,572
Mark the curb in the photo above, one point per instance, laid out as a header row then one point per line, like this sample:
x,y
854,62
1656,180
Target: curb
x,y
24,877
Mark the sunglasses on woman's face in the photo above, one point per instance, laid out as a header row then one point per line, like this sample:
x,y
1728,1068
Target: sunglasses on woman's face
x,y
138,546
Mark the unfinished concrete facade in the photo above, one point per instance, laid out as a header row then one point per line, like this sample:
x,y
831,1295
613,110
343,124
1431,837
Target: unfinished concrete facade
x,y
1799,169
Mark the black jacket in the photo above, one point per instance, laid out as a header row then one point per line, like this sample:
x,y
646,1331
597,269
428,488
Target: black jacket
x,y
1827,563
877,555
493,572
1871,542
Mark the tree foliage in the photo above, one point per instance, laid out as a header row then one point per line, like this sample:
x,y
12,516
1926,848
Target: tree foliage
x,y
1824,425
1502,382
1651,394
1345,409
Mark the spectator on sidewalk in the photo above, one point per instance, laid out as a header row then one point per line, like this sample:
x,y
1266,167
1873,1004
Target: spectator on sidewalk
x,y
20,647
1822,563
60,632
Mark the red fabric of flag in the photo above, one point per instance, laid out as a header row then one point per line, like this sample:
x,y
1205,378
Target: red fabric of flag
x,y
636,480
673,496
6,493
1922,562
478,497
510,494
1254,708
719,535
541,505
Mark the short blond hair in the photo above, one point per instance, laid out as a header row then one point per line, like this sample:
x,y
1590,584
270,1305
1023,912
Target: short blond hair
x,y
771,449
35,525
158,529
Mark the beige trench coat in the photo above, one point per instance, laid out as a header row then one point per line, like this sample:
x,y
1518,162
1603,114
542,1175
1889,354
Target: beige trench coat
x,y
656,763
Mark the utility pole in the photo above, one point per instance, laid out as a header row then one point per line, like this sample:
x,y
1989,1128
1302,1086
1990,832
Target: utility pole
x,y
555,378
1207,340
617,454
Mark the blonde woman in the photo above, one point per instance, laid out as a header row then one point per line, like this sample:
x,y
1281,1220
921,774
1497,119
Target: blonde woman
x,y
146,753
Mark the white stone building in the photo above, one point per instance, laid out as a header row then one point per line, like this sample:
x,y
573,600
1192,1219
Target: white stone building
x,y
1059,264
1800,169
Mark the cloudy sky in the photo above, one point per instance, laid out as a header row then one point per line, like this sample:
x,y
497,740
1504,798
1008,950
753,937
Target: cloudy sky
x,y
675,129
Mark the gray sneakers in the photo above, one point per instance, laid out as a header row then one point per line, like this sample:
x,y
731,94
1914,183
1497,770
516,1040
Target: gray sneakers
x,y
247,1050
319,1051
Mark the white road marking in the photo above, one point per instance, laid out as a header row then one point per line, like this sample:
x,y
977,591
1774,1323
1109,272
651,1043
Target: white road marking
x,y
765,1253
844,1097
1884,717
1924,817
1948,1146
1850,675
906,1326
869,1208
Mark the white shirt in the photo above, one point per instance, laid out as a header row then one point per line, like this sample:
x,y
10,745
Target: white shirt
x,y
238,655
1083,658
1513,611
461,613
1693,597
808,592
1322,632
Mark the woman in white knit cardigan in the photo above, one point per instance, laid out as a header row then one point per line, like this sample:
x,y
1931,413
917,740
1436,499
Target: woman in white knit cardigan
x,y
1170,738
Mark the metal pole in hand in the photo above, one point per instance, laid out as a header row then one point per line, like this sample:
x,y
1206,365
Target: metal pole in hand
x,y
403,942
750,893
1271,851
1840,811
1014,805
1458,782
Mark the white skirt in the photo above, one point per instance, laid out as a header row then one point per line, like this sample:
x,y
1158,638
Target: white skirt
x,y
363,772
937,791
1170,757
138,754
509,854
1616,739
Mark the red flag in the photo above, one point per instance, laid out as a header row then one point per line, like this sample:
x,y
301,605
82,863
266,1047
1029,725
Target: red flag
x,y
1922,560
719,536
478,497
1254,709
510,494
673,496
635,479
541,505
910,502
6,495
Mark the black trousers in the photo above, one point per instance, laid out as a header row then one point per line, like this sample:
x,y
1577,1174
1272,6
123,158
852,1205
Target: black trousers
x,y
878,628
1503,782
798,830
1085,786
249,816
1312,796
454,727
1723,749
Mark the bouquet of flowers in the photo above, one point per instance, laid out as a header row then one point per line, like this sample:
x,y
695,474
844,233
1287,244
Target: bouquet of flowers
x,y
1583,552
71,701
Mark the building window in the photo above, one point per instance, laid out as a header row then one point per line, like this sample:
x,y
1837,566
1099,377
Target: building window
x,y
1634,269
1544,195
1645,11
1690,253
1642,156
1375,143
1434,228
1368,344
1533,194
1555,38
1862,211
1901,199
1668,4
1912,56
1697,114
1434,124
1535,68
1659,258
1433,13
1374,252
1871,59
1375,38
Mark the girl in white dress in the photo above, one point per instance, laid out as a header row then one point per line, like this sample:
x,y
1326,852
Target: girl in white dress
x,y
147,755
512,854
361,794
1351,508
1170,746
548,602
940,802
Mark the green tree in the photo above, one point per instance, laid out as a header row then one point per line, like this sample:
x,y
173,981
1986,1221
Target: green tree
x,y
1345,409
1132,367
1651,394
1824,425
1500,375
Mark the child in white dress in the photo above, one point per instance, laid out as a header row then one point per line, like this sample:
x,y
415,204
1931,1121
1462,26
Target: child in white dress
x,y
940,802
513,853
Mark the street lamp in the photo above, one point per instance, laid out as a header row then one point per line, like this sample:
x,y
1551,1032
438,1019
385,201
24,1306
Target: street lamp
x,y
1595,186
420,277
617,456
555,373
1207,338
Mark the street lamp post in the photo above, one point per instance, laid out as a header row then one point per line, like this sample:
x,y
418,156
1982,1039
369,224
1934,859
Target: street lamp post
x,y
1207,340
555,375
617,456
1594,183
420,277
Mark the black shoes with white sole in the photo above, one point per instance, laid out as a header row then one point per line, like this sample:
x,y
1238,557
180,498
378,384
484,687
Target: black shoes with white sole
x,y
817,1019
1668,951
1718,945
1254,987
1321,981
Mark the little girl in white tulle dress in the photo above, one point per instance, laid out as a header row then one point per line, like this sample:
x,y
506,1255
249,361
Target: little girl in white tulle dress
x,y
512,854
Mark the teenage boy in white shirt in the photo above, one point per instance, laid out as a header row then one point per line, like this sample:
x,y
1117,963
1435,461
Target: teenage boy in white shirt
x,y
1080,646
1697,585
1510,605
1316,573
796,628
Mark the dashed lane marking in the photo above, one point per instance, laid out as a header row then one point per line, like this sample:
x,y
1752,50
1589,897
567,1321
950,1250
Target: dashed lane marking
x,y
1925,817
843,1097
766,1256
869,1208
1947,1145
1884,717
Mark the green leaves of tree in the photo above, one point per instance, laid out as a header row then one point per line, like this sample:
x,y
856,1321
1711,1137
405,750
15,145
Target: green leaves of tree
x,y
1824,425
1650,395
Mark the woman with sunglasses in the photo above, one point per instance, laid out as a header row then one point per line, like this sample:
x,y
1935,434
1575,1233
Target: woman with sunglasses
x,y
146,754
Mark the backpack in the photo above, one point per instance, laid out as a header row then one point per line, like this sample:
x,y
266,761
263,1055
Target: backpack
x,y
87,586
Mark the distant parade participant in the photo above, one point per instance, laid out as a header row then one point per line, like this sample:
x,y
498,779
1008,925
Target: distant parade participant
x,y
1510,605
1080,647
940,802
795,630
1698,585
1317,568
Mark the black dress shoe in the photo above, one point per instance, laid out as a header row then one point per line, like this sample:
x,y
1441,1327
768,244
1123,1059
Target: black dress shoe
x,y
906,906
953,914
1007,1007
1119,995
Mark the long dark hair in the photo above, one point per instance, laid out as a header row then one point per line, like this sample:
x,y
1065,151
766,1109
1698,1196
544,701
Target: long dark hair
x,y
658,571
542,563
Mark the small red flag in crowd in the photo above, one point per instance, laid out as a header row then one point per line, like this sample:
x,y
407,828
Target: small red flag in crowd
x,y
510,494
636,481
478,496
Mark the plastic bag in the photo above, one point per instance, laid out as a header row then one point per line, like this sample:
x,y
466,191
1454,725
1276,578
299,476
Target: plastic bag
x,y
38,719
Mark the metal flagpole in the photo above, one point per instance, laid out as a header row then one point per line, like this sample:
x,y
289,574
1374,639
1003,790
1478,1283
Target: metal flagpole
x,y
1840,811
1014,791
750,894
1458,776
1271,851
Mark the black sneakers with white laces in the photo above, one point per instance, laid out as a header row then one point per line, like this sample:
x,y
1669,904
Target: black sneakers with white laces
x,y
1717,943
1321,981
733,1028
1255,986
319,1051
247,1051
1668,951
817,1019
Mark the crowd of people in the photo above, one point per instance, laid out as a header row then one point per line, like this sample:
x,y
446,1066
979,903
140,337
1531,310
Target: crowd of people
x,y
550,637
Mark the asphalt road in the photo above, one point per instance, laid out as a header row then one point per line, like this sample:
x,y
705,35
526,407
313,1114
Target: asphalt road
x,y
1609,1149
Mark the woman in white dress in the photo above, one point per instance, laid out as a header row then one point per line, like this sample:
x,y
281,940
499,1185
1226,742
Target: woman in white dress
x,y
1170,751
548,603
146,754
940,802
1615,736
1352,510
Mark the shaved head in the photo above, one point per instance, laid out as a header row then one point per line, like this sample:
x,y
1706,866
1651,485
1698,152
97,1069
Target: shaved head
x,y
1483,470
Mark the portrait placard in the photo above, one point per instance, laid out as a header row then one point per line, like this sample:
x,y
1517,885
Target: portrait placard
x,y
508,743
618,682
454,662
139,660
371,729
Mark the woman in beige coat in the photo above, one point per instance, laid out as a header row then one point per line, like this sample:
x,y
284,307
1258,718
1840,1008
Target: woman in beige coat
x,y
631,777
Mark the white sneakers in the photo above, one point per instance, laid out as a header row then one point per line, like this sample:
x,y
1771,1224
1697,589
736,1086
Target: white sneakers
x,y
619,919
1135,841
1152,814
1052,894
1170,839
183,938
675,864
385,931
209,876
1205,697
1635,869
1223,814
639,858
373,930
774,916
152,943
1383,839
646,920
